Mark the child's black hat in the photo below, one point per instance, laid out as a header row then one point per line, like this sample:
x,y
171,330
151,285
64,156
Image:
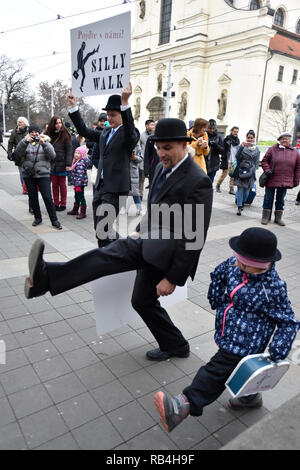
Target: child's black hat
x,y
256,243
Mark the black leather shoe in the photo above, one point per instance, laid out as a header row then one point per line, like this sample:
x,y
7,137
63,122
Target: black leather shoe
x,y
57,225
36,222
158,355
37,283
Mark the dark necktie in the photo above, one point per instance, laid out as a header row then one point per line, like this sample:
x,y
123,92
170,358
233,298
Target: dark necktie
x,y
160,181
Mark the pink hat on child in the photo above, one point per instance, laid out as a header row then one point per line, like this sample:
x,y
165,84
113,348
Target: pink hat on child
x,y
82,150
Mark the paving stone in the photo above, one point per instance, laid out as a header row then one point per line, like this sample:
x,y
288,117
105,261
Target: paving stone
x,y
165,372
130,340
14,359
48,317
37,305
21,323
40,351
122,364
229,432
19,379
95,375
6,414
55,330
139,383
10,342
99,434
43,426
111,396
65,387
153,439
79,410
65,442
122,419
80,358
68,343
30,401
105,348
31,336
12,438
51,368
70,311
82,322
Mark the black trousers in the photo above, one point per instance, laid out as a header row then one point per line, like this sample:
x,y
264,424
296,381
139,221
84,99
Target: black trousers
x,y
209,382
43,184
99,199
121,256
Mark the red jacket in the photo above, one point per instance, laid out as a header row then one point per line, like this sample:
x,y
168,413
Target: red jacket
x,y
286,173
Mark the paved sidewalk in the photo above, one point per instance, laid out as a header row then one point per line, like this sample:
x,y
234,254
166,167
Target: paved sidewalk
x,y
63,387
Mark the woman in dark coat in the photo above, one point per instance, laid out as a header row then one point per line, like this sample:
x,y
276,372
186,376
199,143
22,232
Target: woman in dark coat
x,y
61,140
248,160
284,176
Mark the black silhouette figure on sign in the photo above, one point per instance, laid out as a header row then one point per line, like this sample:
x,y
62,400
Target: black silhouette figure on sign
x,y
82,61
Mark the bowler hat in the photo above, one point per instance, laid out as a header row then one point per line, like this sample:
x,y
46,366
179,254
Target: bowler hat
x,y
113,103
169,130
256,243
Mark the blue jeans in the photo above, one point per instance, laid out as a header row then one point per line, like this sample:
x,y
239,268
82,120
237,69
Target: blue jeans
x,y
269,198
241,196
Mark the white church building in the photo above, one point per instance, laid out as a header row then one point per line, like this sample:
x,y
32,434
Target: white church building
x,y
236,61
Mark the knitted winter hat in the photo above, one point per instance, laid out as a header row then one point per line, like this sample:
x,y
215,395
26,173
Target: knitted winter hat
x,y
34,128
82,150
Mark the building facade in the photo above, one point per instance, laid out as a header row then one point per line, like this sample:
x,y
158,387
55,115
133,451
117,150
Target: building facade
x,y
234,61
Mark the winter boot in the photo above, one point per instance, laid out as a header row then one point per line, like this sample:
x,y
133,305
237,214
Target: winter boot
x,y
266,214
239,212
242,403
278,218
82,214
218,188
75,209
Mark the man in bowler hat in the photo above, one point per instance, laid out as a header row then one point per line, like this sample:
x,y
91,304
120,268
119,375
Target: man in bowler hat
x,y
116,144
162,260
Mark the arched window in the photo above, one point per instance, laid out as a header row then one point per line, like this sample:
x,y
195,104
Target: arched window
x,y
254,5
298,27
275,104
279,17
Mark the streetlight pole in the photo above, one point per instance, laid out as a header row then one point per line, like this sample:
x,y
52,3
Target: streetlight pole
x,y
169,89
52,102
3,114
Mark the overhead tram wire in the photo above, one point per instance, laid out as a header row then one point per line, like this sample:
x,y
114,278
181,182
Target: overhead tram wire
x,y
59,17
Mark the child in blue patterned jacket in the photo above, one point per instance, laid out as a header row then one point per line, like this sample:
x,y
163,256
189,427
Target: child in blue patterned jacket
x,y
79,178
252,307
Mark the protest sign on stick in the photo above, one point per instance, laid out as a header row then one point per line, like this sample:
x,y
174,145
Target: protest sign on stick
x,y
101,56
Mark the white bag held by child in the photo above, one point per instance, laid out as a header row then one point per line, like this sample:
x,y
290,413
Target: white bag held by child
x,y
255,373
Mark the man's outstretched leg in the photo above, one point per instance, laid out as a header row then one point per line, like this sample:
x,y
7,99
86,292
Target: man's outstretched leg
x,y
120,256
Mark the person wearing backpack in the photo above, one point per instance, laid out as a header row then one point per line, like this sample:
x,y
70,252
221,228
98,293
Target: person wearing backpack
x,y
247,163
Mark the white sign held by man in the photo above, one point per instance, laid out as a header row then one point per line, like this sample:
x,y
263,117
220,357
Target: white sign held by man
x,y
101,56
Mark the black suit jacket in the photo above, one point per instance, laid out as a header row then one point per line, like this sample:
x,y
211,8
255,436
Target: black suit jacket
x,y
185,189
115,156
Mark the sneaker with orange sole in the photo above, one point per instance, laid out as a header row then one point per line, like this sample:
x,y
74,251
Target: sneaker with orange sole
x,y
172,410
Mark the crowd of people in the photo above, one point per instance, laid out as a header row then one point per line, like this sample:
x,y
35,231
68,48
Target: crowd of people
x,y
238,160
181,166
